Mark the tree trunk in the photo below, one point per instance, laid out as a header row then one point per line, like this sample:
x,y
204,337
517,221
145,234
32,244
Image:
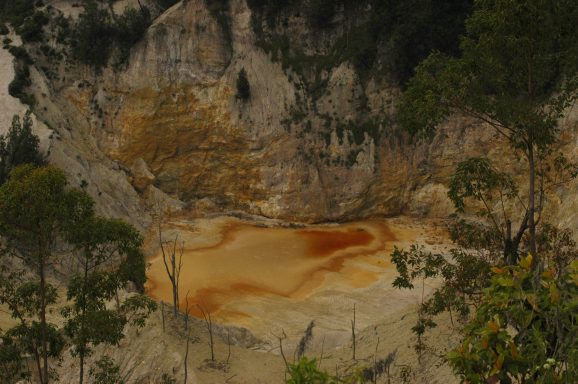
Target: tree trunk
x,y
43,334
531,201
82,326
81,379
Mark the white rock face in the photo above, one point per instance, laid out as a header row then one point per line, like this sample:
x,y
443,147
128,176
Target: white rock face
x,y
287,152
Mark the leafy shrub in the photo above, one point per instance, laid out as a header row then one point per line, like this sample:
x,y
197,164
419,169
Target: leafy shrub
x,y
523,331
306,372
31,29
18,146
20,82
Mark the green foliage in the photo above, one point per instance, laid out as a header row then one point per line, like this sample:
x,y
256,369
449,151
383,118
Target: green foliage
x,y
105,371
12,365
243,86
137,309
510,68
31,30
102,247
43,192
92,36
97,34
16,11
522,332
306,372
475,178
35,207
464,276
18,146
415,28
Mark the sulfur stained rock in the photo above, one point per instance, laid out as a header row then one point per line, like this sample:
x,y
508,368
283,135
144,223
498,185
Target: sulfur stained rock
x,y
142,177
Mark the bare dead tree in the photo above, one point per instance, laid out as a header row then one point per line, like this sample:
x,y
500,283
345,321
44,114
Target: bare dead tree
x,y
353,331
187,356
163,314
281,338
209,324
187,312
229,344
375,362
173,261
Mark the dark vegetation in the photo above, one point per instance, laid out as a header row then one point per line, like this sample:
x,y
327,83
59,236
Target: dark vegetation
x,y
243,86
100,35
19,146
396,35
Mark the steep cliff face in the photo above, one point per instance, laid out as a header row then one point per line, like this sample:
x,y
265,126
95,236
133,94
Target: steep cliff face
x,y
314,142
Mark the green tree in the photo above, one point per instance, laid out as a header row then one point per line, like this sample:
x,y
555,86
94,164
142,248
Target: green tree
x,y
520,332
93,36
19,146
243,86
37,210
34,209
102,246
516,73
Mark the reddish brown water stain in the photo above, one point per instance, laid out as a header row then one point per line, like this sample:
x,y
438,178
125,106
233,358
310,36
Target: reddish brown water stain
x,y
324,243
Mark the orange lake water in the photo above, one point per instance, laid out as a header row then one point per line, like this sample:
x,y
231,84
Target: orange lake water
x,y
241,262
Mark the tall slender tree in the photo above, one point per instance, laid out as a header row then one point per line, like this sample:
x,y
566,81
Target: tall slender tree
x,y
35,206
516,73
